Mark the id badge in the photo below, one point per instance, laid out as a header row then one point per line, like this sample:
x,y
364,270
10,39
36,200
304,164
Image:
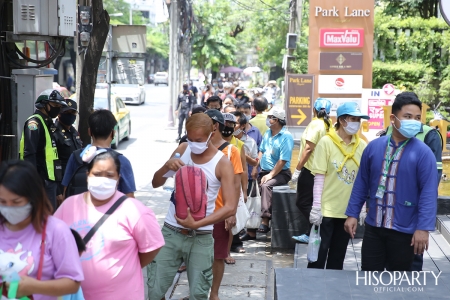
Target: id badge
x,y
380,192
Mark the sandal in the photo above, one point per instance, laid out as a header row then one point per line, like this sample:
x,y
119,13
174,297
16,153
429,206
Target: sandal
x,y
263,228
229,260
238,249
247,237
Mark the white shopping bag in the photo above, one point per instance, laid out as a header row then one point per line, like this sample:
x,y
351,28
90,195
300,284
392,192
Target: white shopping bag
x,y
254,208
242,215
314,244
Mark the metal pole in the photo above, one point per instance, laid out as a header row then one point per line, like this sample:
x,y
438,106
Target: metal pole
x,y
109,65
131,16
173,15
79,57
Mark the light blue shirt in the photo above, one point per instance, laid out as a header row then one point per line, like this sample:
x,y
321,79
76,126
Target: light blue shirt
x,y
275,148
77,296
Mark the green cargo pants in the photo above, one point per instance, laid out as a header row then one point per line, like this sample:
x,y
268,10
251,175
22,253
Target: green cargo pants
x,y
197,253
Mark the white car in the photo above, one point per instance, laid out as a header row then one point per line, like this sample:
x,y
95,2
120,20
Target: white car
x,y
129,93
162,78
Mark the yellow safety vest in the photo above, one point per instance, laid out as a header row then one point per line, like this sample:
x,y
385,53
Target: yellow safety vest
x,y
51,153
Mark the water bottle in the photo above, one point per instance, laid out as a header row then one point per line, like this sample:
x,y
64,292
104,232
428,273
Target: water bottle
x,y
169,186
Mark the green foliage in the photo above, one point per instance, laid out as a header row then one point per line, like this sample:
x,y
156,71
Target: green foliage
x,y
158,40
120,6
212,45
410,8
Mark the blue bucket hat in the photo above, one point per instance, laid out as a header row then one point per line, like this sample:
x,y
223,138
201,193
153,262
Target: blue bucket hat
x,y
322,103
351,109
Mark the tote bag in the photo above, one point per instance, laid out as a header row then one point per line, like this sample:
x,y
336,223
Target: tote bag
x,y
254,208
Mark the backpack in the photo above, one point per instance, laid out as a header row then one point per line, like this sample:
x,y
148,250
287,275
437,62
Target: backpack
x,y
190,191
78,181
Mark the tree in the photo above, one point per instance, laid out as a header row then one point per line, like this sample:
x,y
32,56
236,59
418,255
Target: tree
x,y
93,55
212,44
411,8
120,6
157,41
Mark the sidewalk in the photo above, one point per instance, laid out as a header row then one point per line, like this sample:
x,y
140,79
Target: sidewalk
x,y
251,276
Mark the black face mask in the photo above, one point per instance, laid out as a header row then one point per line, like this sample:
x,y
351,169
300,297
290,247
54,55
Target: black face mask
x,y
53,112
67,119
226,130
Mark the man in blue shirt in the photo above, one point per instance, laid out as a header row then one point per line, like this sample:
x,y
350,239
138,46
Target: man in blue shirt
x,y
398,173
274,159
101,129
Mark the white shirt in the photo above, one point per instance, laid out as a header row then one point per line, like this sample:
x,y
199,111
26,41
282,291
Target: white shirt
x,y
250,146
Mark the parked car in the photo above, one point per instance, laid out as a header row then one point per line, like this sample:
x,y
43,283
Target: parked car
x,y
119,110
162,78
129,93
151,78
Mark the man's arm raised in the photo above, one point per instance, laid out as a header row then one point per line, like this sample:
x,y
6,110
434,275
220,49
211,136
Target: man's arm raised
x,y
173,164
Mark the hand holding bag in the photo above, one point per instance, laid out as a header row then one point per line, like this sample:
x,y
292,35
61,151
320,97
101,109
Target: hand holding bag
x,y
254,207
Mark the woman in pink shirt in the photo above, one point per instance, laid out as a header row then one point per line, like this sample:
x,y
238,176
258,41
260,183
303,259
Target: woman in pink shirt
x,y
25,221
126,242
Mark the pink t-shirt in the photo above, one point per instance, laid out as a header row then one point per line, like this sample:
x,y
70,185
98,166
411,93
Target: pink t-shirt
x,y
111,263
23,249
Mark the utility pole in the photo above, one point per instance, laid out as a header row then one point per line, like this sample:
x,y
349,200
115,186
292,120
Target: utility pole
x,y
173,59
299,18
79,58
109,64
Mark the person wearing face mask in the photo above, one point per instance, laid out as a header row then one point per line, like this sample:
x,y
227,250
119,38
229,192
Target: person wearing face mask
x,y
127,241
101,128
42,249
38,145
250,130
260,120
67,138
335,166
241,98
189,240
214,102
398,176
274,157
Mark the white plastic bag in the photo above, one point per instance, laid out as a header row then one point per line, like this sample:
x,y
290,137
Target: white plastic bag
x,y
242,216
254,208
314,244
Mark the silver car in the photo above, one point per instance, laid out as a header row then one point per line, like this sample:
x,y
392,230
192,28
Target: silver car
x,y
129,93
162,78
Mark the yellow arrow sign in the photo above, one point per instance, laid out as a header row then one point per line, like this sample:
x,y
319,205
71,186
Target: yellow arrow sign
x,y
301,116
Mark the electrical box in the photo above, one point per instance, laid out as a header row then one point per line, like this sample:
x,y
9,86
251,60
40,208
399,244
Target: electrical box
x,y
129,39
291,41
45,17
30,83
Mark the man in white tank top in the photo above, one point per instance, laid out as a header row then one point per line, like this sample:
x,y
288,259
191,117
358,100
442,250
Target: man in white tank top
x,y
188,240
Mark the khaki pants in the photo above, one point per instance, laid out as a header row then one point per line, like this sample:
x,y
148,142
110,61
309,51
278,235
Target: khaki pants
x,y
198,255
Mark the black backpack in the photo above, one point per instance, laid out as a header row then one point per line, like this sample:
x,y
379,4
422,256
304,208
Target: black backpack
x,y
78,181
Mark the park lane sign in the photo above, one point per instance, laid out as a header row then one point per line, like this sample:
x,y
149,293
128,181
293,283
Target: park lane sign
x,y
334,12
299,100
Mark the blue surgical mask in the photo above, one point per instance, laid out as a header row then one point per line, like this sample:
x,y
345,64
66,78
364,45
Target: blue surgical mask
x,y
408,128
248,117
268,123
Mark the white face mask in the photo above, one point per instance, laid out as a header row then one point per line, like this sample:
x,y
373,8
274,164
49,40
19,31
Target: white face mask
x,y
199,147
237,132
101,188
16,214
352,127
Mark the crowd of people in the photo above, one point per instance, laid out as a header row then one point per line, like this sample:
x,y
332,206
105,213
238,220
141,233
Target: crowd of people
x,y
69,220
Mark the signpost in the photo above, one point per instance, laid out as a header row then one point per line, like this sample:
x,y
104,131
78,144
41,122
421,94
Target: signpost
x,y
300,93
340,84
389,89
341,38
341,61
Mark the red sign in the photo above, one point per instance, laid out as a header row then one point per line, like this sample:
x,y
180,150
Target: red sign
x,y
388,89
341,38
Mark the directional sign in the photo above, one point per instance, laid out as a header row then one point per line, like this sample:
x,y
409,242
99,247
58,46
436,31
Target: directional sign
x,y
301,116
299,99
389,89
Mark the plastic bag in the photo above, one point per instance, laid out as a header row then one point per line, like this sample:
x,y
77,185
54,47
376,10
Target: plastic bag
x,y
242,216
314,244
254,208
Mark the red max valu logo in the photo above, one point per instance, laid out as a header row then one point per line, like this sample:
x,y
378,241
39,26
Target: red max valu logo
x,y
339,82
341,38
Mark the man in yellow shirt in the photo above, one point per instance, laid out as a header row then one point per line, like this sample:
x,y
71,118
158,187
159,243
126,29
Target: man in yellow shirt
x,y
260,120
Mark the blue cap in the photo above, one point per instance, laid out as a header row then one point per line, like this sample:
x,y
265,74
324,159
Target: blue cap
x,y
322,103
351,109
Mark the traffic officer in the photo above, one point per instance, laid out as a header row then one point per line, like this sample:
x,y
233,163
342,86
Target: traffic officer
x,y
38,145
67,138
186,101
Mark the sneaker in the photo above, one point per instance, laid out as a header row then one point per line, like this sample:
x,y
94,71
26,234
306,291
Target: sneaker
x,y
301,238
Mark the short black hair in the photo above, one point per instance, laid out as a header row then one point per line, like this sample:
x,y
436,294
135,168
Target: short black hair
x,y
105,155
101,123
260,104
81,246
245,105
242,118
214,99
338,124
198,109
403,99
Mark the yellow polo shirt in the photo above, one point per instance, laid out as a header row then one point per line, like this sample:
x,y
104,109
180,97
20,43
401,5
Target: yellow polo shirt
x,y
313,133
337,185
259,121
237,142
